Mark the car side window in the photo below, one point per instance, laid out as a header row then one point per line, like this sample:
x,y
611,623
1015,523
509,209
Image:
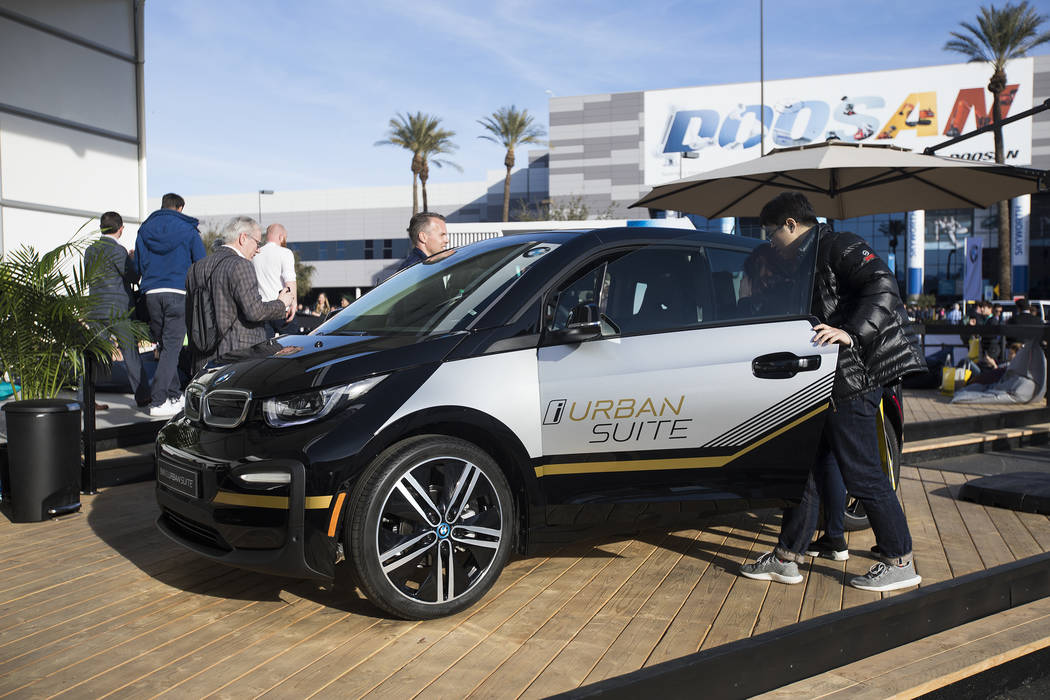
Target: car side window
x,y
656,289
582,289
660,288
757,284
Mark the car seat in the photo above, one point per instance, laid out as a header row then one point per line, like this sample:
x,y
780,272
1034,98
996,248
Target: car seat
x,y
725,294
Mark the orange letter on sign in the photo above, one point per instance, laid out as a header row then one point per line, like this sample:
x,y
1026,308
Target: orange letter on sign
x,y
972,99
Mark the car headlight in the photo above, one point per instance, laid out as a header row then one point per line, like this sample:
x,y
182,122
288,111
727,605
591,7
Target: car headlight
x,y
307,406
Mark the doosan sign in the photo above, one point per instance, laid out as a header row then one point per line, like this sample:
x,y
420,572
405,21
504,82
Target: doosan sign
x,y
912,108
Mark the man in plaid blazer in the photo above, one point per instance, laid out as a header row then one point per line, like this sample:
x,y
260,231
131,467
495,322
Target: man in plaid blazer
x,y
240,313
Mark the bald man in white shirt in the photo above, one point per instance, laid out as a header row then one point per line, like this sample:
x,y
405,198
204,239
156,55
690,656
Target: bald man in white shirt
x,y
275,270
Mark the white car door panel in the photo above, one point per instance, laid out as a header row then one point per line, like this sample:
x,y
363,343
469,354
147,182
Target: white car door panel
x,y
682,389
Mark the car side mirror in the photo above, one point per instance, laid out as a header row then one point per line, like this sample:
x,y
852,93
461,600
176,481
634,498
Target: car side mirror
x,y
584,323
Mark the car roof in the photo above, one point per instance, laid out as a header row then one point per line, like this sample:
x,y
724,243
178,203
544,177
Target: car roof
x,y
636,234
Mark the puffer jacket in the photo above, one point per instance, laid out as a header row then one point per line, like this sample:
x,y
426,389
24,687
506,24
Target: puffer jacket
x,y
854,290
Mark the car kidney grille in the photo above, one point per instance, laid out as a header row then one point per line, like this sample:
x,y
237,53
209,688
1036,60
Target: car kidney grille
x,y
192,406
225,408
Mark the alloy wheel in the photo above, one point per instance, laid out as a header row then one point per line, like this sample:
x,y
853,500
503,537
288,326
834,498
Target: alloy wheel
x,y
440,527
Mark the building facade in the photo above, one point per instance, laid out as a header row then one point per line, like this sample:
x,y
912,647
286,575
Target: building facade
x,y
607,150
72,141
352,235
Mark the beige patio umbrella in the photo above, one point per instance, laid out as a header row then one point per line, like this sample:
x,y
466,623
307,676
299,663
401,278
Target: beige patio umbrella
x,y
844,180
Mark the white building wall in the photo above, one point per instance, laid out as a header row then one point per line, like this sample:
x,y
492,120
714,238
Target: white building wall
x,y
71,144
370,213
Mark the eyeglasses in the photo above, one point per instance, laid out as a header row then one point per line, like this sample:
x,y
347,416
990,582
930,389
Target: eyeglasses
x,y
258,241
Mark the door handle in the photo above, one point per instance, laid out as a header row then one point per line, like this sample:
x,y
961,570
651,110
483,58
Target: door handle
x,y
783,365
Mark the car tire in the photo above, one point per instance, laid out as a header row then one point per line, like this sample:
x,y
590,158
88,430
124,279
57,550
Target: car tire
x,y
431,527
856,518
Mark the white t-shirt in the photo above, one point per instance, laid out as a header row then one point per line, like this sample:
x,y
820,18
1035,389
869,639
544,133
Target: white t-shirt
x,y
274,269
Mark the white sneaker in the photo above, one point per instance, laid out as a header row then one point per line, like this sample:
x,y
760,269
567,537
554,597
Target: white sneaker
x,y
177,402
166,410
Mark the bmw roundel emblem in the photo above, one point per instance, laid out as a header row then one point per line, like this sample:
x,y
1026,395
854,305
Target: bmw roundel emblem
x,y
223,377
442,530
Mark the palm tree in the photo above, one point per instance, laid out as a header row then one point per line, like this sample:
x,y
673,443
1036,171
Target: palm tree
x,y
509,127
435,142
999,36
419,134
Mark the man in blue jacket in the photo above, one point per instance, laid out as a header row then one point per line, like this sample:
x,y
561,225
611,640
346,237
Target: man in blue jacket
x,y
168,243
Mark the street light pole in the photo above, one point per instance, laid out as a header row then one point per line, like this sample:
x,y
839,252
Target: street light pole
x,y
761,78
682,155
261,193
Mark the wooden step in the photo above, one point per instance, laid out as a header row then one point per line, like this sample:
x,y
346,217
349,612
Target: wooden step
x,y
935,661
971,443
124,465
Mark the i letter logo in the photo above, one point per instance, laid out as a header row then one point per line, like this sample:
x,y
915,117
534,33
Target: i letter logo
x,y
555,410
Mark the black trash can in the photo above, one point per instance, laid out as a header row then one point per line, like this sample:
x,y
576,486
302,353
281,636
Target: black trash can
x,y
43,459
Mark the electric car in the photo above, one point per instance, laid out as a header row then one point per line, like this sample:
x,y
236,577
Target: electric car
x,y
497,394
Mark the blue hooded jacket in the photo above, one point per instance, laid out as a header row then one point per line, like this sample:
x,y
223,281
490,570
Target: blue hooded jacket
x,y
168,243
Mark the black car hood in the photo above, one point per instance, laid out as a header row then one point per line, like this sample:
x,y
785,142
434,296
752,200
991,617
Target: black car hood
x,y
298,362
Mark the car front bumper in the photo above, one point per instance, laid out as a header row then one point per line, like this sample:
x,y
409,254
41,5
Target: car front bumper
x,y
269,534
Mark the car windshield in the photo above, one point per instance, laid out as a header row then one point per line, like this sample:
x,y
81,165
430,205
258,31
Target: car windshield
x,y
442,294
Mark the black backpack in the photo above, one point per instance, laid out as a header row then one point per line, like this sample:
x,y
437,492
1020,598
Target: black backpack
x,y
201,324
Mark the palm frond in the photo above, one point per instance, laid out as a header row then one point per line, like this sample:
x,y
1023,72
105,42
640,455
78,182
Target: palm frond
x,y
1000,35
510,127
45,304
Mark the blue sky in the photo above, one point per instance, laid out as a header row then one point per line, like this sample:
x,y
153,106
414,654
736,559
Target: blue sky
x,y
242,95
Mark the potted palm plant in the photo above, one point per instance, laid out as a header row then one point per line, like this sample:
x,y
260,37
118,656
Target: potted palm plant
x,y
45,340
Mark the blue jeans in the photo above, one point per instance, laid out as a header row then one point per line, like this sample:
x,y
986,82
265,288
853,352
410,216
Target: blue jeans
x,y
849,445
167,322
276,326
833,496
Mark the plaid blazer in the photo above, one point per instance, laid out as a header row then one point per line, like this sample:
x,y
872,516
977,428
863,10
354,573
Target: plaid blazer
x,y
238,306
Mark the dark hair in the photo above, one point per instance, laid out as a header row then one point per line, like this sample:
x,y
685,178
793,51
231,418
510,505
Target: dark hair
x,y
1022,305
110,222
420,221
172,201
788,205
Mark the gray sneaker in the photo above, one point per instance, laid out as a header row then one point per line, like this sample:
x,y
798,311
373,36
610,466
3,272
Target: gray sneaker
x,y
887,577
769,568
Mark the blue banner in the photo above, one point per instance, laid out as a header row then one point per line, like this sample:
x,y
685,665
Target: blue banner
x,y
972,286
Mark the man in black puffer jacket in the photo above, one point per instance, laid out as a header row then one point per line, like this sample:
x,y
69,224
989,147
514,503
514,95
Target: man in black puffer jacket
x,y
855,298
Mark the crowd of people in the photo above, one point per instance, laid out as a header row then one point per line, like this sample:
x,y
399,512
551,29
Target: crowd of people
x,y
201,307
983,311
250,290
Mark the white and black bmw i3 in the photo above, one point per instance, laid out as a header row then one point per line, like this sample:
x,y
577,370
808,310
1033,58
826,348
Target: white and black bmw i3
x,y
475,401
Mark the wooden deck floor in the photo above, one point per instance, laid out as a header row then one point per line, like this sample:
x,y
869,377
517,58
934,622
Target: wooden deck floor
x,y
100,604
